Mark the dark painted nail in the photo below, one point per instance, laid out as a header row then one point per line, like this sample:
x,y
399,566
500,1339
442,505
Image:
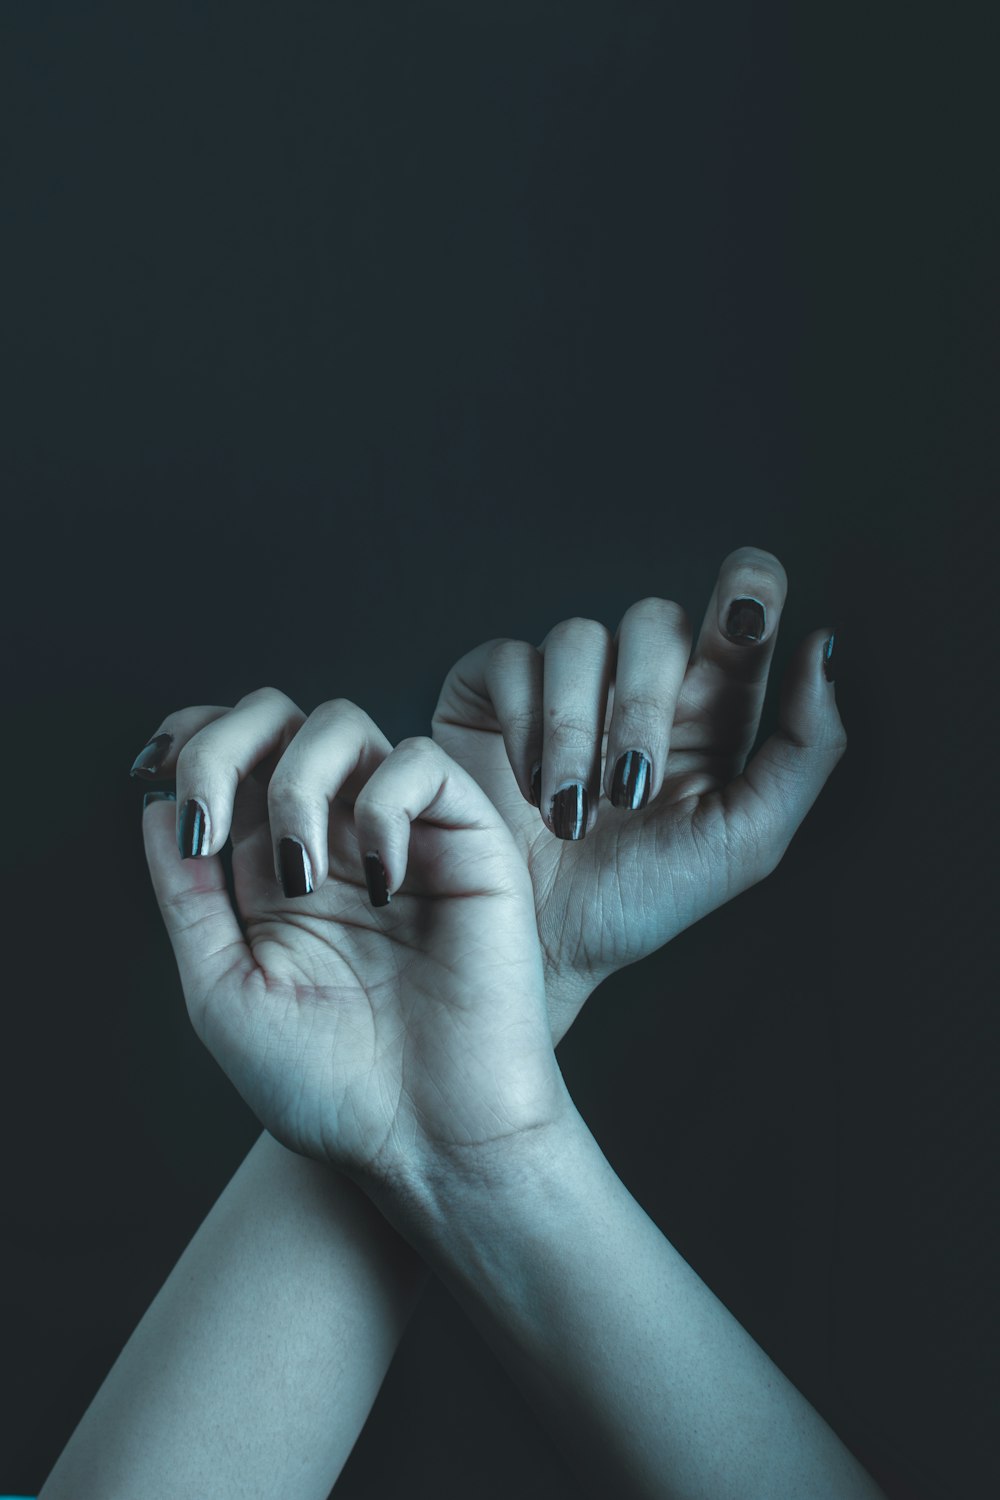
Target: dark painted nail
x,y
536,786
375,876
151,758
192,829
745,620
293,861
630,785
158,797
828,657
569,811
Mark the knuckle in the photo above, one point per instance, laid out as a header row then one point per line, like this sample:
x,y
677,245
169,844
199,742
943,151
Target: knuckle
x,y
269,695
495,649
579,633
419,744
372,806
194,763
466,665
641,717
757,566
508,656
203,766
339,711
665,614
571,734
523,724
287,790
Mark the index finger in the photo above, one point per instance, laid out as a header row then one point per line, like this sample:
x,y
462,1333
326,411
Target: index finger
x,y
726,680
157,760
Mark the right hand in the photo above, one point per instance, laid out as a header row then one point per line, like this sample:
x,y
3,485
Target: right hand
x,y
388,1038
615,884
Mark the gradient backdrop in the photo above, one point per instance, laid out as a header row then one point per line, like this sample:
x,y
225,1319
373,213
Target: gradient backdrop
x,y
339,337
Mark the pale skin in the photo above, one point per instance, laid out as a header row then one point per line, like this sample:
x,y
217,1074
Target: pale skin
x,y
410,1046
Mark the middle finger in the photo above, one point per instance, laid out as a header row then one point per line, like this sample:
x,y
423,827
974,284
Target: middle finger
x,y
578,662
654,642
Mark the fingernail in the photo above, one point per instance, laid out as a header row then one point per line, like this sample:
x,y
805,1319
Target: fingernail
x,y
630,784
151,758
827,657
157,797
536,786
375,877
568,812
745,620
296,871
192,829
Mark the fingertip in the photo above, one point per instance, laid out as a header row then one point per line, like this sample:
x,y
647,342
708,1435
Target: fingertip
x,y
157,796
148,764
744,620
571,815
808,713
294,868
194,832
376,879
629,784
828,690
827,656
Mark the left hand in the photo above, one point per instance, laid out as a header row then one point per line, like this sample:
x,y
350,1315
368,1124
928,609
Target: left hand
x,y
382,1040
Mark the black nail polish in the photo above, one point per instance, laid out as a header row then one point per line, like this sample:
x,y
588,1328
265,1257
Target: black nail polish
x,y
630,784
192,829
376,879
536,786
569,811
745,620
827,657
149,797
293,862
151,758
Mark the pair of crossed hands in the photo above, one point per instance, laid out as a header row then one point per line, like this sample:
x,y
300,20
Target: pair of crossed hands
x,y
416,926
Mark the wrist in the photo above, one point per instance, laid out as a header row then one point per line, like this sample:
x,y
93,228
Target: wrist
x,y
442,1191
510,1230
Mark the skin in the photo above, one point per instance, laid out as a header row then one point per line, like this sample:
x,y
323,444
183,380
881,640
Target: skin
x,y
340,1023
325,978
713,826
378,1041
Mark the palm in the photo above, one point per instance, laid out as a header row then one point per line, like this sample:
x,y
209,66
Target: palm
x,y
636,880
351,1030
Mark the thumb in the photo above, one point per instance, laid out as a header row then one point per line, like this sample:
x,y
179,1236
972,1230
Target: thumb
x,y
766,805
194,903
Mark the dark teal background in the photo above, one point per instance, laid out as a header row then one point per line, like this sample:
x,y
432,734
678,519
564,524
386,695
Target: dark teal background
x,y
337,338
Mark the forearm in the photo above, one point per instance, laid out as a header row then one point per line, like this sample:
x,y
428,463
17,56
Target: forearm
x,y
650,1385
254,1370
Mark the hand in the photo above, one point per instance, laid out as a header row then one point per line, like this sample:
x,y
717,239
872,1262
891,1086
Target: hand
x,y
667,737
377,1037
